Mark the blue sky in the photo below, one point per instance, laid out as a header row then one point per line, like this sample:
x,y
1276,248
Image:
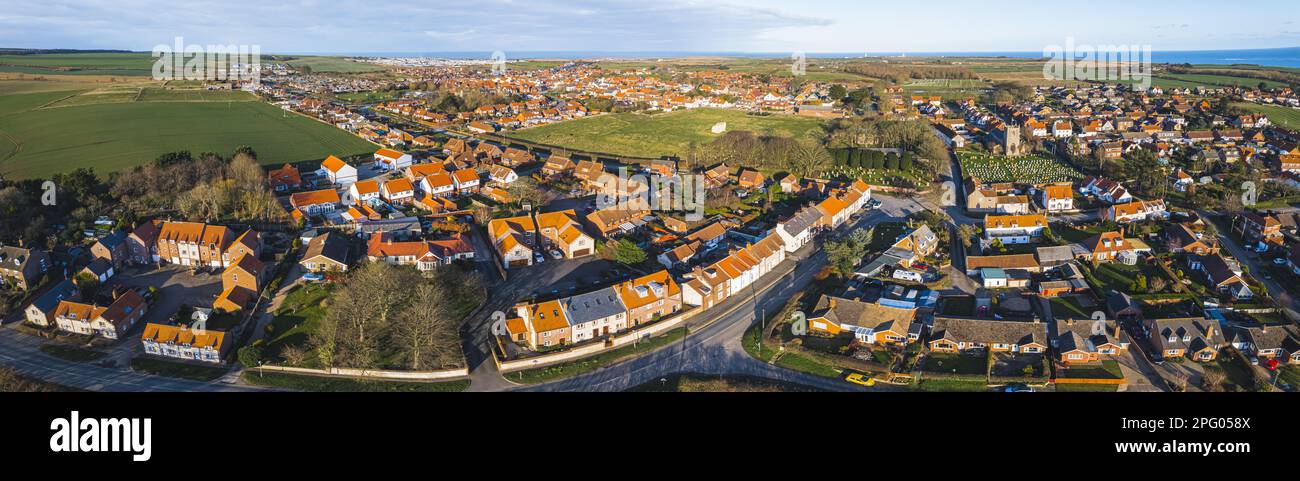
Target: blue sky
x,y
841,26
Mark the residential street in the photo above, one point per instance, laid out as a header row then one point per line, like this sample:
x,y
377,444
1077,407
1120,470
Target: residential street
x,y
716,348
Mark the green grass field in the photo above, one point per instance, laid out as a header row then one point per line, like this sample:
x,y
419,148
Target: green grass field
x,y
333,65
38,142
133,64
641,135
1284,116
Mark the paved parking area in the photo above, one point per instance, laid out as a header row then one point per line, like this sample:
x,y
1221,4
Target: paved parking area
x,y
176,285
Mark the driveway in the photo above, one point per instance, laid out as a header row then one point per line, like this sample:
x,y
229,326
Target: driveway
x,y
176,286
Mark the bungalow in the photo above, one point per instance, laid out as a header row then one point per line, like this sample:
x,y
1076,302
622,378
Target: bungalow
x,y
1108,247
338,171
1222,276
1269,342
1081,342
1022,262
424,255
679,256
325,253
1181,180
390,160
870,323
1181,238
960,335
316,202
1193,338
181,342
619,218
1014,229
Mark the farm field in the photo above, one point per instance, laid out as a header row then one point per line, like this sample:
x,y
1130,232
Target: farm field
x,y
1277,114
1033,169
38,142
1209,80
134,64
334,65
641,135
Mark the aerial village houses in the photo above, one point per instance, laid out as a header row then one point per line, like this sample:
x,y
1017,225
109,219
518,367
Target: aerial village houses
x,y
365,192
1088,341
241,282
397,191
1014,229
1056,197
181,342
1191,338
22,267
390,160
869,323
196,244
733,274
338,171
960,335
41,311
108,322
1268,342
284,179
325,253
316,202
596,314
425,255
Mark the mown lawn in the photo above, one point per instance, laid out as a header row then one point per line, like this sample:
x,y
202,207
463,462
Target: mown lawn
x,y
1086,388
297,317
950,385
193,372
942,362
72,353
642,135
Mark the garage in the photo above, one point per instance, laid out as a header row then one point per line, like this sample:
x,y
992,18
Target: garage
x,y
581,252
519,263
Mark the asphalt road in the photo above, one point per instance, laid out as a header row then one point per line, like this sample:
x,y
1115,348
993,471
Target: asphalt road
x,y
22,352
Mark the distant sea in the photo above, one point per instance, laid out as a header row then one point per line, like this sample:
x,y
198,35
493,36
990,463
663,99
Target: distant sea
x,y
1272,57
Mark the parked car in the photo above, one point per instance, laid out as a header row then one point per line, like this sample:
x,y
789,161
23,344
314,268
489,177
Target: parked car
x,y
556,254
860,379
1017,388
539,258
